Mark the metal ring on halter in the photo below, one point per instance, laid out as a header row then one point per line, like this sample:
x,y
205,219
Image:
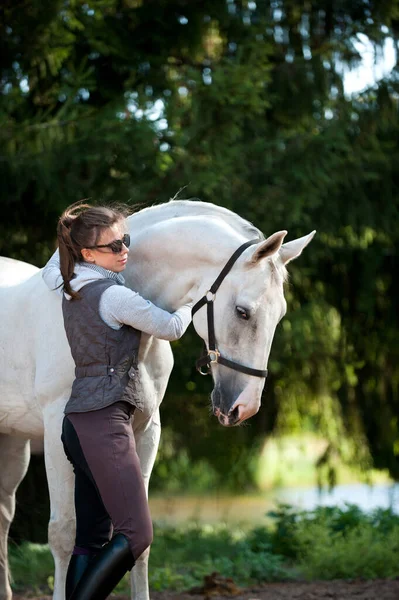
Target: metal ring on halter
x,y
210,296
207,372
213,356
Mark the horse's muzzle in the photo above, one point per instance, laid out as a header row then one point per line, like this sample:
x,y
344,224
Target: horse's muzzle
x,y
227,420
221,408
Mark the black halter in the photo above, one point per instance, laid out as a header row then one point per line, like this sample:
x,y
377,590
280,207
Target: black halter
x,y
213,355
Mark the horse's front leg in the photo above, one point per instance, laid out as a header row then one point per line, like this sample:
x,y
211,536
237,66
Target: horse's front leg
x,y
60,478
147,435
15,454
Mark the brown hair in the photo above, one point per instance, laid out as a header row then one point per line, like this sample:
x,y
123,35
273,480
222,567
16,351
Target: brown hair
x,y
81,226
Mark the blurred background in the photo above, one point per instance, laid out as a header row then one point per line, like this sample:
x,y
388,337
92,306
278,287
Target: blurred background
x,y
283,111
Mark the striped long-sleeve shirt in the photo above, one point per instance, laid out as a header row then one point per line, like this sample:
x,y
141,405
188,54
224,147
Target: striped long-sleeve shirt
x,y
120,305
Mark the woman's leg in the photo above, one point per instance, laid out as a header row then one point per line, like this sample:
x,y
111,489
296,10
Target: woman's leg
x,y
93,524
105,570
107,442
76,568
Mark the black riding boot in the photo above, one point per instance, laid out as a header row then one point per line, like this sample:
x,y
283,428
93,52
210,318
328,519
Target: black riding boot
x,y
77,566
105,570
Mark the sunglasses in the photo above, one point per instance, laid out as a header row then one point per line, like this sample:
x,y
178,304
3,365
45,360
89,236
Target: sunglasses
x,y
116,245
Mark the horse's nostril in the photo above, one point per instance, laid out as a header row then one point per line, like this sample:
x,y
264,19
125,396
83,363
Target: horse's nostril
x,y
223,420
234,415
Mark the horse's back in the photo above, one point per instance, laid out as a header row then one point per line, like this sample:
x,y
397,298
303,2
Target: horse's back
x,y
35,361
19,282
14,271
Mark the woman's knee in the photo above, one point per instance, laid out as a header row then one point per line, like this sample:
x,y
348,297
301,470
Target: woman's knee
x,y
143,541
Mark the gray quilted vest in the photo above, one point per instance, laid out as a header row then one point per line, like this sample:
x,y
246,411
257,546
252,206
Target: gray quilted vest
x,y
105,358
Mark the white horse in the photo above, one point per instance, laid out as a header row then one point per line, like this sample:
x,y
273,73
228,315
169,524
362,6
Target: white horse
x,y
175,247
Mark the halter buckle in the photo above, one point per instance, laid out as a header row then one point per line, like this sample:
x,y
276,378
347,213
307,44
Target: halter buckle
x,y
210,296
213,356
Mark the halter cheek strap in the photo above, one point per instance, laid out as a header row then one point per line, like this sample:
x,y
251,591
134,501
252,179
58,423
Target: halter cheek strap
x,y
212,355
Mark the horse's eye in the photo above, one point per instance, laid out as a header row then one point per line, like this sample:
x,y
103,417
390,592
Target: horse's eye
x,y
242,313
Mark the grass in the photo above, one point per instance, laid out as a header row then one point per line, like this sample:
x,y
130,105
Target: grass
x,y
359,554
32,567
325,543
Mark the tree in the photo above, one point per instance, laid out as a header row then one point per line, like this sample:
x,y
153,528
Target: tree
x,y
244,102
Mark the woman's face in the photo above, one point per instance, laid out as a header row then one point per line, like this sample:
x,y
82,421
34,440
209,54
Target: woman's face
x,y
104,257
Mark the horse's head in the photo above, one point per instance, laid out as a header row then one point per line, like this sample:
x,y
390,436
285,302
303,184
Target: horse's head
x,y
247,308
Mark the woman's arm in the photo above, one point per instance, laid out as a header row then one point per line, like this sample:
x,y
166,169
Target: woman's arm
x,y
119,304
52,275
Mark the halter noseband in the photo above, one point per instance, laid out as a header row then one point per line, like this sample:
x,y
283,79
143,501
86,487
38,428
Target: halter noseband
x,y
213,355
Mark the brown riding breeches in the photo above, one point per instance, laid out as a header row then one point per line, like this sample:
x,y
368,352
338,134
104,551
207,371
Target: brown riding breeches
x,y
109,488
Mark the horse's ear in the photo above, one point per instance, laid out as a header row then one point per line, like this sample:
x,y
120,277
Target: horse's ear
x,y
293,249
270,246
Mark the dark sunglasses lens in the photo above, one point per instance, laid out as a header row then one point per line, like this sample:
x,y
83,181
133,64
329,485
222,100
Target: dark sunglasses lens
x,y
116,246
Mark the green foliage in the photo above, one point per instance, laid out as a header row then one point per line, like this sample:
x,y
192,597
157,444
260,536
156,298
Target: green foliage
x,y
176,472
196,551
244,103
31,567
359,553
326,543
330,542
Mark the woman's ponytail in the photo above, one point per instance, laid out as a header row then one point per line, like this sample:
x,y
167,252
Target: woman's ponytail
x,y
80,226
68,247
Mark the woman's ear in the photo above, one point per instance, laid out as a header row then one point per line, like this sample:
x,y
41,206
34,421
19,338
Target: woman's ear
x,y
87,255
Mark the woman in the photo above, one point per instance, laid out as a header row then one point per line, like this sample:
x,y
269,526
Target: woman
x,y
103,322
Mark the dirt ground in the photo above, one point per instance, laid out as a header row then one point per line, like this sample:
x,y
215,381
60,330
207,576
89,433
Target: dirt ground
x,y
322,590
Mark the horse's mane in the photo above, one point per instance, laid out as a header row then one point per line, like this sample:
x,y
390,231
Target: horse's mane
x,y
175,209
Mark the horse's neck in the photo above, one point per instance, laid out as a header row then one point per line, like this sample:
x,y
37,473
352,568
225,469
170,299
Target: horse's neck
x,y
176,248
175,209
